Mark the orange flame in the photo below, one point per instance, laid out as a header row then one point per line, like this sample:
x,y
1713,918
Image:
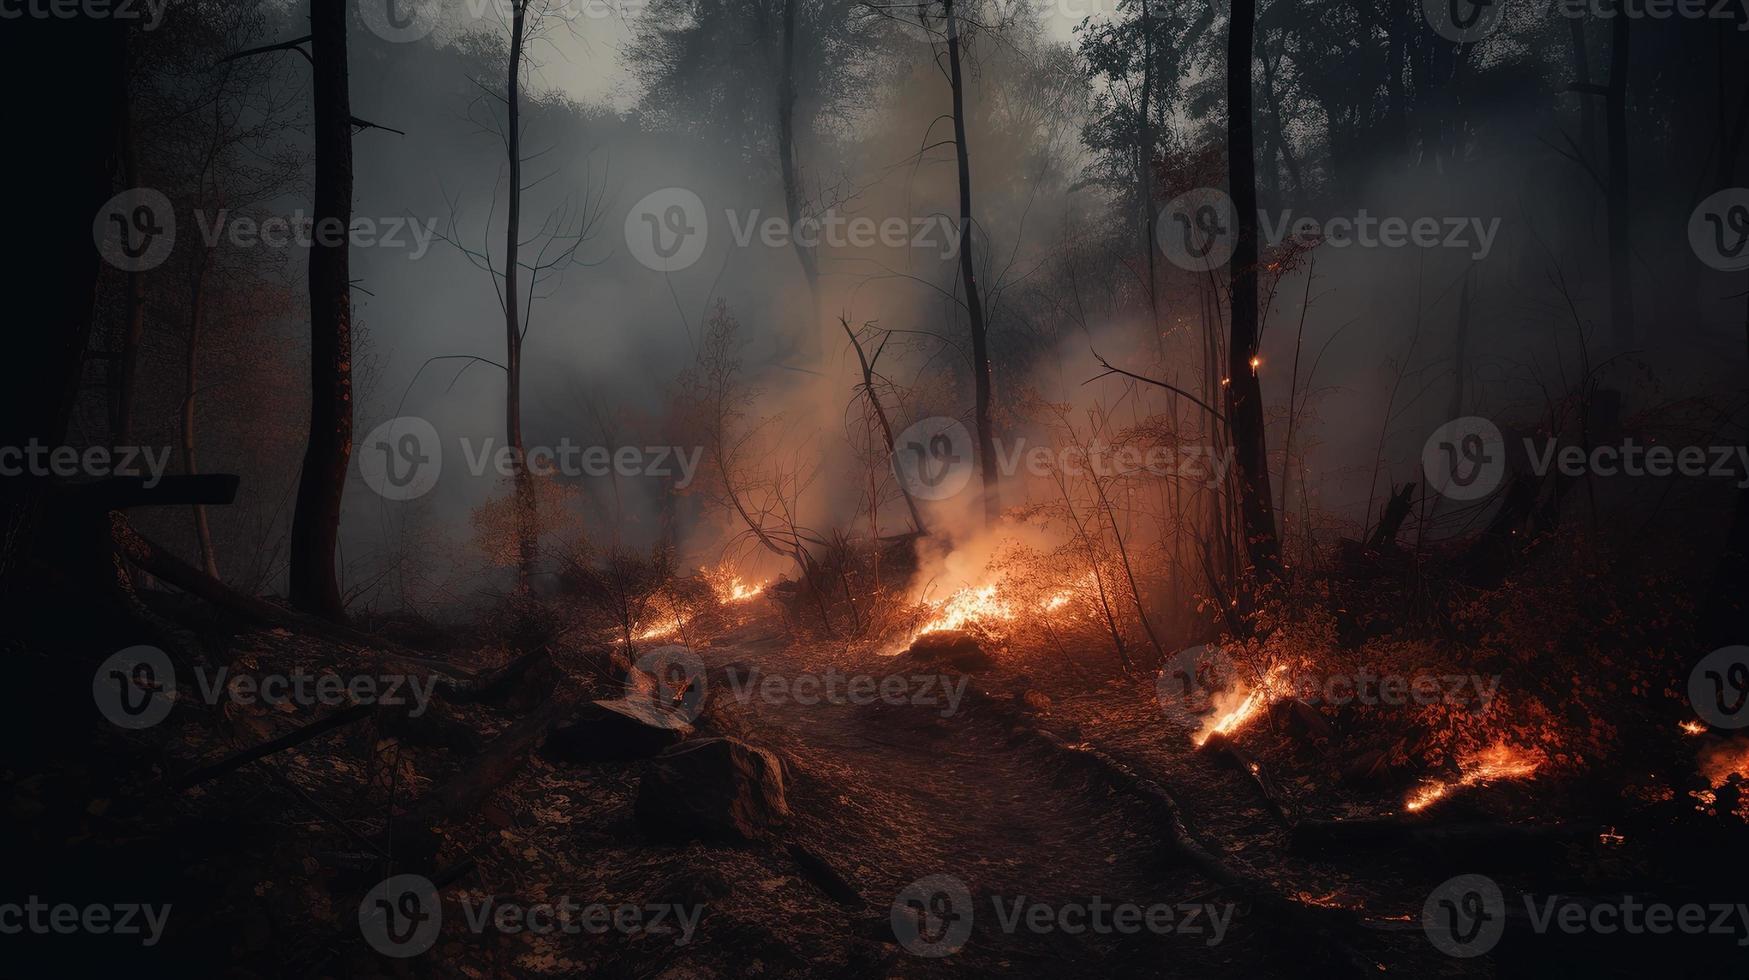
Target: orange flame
x,y
1238,705
1692,727
966,607
1497,761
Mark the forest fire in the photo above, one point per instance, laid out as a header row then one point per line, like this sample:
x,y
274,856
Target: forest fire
x,y
784,476
729,586
1237,706
1496,762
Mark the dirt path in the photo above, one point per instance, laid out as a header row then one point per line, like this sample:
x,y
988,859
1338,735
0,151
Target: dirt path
x,y
893,793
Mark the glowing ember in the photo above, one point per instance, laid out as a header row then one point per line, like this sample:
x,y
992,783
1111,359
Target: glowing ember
x,y
1718,763
657,631
1497,761
1693,728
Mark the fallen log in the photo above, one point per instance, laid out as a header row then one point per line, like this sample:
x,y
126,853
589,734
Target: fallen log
x,y
816,869
1391,520
1321,925
1223,747
414,833
334,719
497,686
149,557
1418,831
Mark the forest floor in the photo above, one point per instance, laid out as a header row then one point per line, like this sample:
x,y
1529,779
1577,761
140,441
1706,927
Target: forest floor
x,y
266,866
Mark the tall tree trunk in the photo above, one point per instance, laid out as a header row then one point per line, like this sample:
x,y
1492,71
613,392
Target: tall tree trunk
x,y
1244,393
1145,168
523,480
191,377
981,379
125,367
71,175
811,346
1582,75
1397,125
316,518
1621,289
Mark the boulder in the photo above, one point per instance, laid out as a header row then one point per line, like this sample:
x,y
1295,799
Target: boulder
x,y
614,730
950,649
712,789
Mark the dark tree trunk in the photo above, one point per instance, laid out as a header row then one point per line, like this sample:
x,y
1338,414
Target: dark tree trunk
x,y
1621,289
316,520
792,192
1145,167
1582,75
523,480
1244,393
981,379
124,377
71,176
191,378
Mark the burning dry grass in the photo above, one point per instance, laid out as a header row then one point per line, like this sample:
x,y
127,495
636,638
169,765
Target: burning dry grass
x,y
1496,762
